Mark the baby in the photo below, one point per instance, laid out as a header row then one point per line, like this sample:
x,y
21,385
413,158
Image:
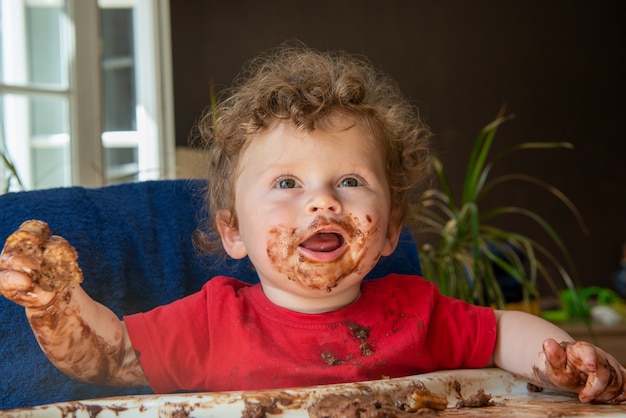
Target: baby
x,y
311,159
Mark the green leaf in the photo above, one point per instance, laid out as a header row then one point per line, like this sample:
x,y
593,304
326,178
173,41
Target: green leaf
x,y
478,158
12,171
469,246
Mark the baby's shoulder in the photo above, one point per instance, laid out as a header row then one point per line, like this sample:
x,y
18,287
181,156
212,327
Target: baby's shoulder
x,y
400,289
400,281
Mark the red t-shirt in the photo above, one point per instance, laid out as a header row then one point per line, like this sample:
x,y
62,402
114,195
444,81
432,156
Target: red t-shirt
x,y
229,336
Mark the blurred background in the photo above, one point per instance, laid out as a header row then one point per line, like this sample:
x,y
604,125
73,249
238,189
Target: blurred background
x,y
96,92
558,66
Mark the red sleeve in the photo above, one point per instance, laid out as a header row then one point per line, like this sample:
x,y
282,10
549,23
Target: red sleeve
x,y
169,341
455,324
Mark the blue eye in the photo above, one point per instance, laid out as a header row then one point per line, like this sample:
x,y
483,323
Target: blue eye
x,y
286,183
349,182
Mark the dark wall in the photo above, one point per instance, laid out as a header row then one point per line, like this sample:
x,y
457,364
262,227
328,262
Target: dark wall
x,y
559,66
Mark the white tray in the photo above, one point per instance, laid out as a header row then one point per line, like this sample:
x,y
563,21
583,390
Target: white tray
x,y
509,394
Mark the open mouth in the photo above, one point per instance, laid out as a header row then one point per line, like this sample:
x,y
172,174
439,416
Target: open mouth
x,y
323,242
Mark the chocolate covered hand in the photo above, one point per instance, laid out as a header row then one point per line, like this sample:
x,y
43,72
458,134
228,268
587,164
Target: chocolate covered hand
x,y
36,265
585,369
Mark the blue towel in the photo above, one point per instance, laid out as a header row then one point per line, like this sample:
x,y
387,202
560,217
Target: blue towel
x,y
135,248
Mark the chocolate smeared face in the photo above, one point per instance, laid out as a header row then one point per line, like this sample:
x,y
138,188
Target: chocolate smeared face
x,y
320,256
313,213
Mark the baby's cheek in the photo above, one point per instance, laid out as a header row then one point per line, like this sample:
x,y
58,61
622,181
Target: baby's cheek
x,y
281,245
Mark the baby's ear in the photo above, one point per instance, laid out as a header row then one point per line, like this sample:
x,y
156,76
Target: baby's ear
x,y
229,234
393,236
394,230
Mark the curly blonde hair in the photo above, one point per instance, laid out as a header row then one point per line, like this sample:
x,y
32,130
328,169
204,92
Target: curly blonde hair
x,y
305,86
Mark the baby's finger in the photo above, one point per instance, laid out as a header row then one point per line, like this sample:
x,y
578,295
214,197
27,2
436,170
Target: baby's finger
x,y
555,354
19,288
12,281
18,262
559,370
606,383
596,386
620,398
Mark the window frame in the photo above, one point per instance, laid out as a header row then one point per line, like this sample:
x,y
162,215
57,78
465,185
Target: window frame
x,y
155,114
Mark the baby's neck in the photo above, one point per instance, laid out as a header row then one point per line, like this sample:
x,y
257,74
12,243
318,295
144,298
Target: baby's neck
x,y
313,304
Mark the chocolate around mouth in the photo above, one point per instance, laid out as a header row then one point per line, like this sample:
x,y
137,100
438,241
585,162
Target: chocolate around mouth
x,y
323,242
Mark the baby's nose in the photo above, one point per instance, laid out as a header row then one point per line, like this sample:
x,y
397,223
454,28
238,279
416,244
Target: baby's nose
x,y
324,201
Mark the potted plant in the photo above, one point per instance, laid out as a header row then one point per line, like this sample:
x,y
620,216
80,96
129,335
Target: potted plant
x,y
470,248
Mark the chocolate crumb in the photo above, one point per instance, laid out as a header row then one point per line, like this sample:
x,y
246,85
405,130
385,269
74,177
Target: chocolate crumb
x,y
415,400
478,400
359,332
258,408
331,359
366,350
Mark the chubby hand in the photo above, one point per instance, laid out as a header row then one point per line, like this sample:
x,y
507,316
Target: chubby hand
x,y
36,265
585,369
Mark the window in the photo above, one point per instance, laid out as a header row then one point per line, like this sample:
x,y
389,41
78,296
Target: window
x,y
73,109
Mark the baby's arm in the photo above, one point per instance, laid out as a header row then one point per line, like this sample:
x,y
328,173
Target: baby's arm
x,y
547,356
81,337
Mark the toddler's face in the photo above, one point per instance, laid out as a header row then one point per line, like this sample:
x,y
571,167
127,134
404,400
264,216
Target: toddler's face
x,y
313,210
